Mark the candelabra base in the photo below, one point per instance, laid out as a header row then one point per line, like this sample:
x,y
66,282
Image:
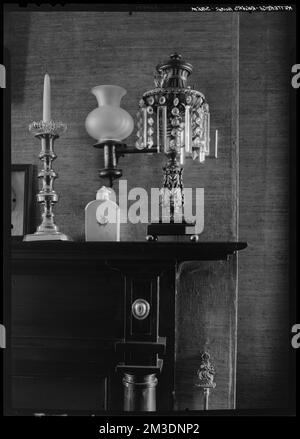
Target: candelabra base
x,y
47,237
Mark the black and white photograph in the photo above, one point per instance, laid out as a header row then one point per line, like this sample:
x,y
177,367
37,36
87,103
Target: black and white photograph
x,y
149,171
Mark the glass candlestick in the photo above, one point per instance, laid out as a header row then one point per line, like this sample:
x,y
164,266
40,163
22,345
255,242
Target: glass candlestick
x,y
47,132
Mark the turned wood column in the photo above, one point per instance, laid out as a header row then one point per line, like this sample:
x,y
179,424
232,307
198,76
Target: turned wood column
x,y
140,392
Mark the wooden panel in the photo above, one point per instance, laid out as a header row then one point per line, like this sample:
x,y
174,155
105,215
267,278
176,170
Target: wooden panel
x,y
146,288
40,394
68,305
206,306
165,388
50,373
80,50
57,356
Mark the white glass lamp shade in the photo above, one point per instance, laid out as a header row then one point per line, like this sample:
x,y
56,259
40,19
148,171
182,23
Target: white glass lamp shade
x,y
109,121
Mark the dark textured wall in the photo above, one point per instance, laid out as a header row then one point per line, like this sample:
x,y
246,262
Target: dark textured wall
x,y
242,68
263,331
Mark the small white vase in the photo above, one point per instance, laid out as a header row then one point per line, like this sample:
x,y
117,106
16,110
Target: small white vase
x,y
109,121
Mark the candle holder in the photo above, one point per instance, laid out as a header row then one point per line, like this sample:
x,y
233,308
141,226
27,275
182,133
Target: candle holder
x,y
47,132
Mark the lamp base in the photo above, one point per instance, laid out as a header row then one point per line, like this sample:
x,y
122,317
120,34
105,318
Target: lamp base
x,y
46,237
169,229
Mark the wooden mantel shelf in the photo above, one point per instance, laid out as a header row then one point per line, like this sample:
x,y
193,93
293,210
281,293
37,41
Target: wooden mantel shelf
x,y
128,251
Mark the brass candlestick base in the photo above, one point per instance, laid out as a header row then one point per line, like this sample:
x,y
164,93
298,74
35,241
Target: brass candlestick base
x,y
47,132
47,237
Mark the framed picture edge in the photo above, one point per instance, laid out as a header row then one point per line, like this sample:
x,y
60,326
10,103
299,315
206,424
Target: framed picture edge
x,y
28,202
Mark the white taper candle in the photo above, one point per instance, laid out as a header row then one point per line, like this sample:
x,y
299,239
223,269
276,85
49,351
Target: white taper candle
x,y
47,99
